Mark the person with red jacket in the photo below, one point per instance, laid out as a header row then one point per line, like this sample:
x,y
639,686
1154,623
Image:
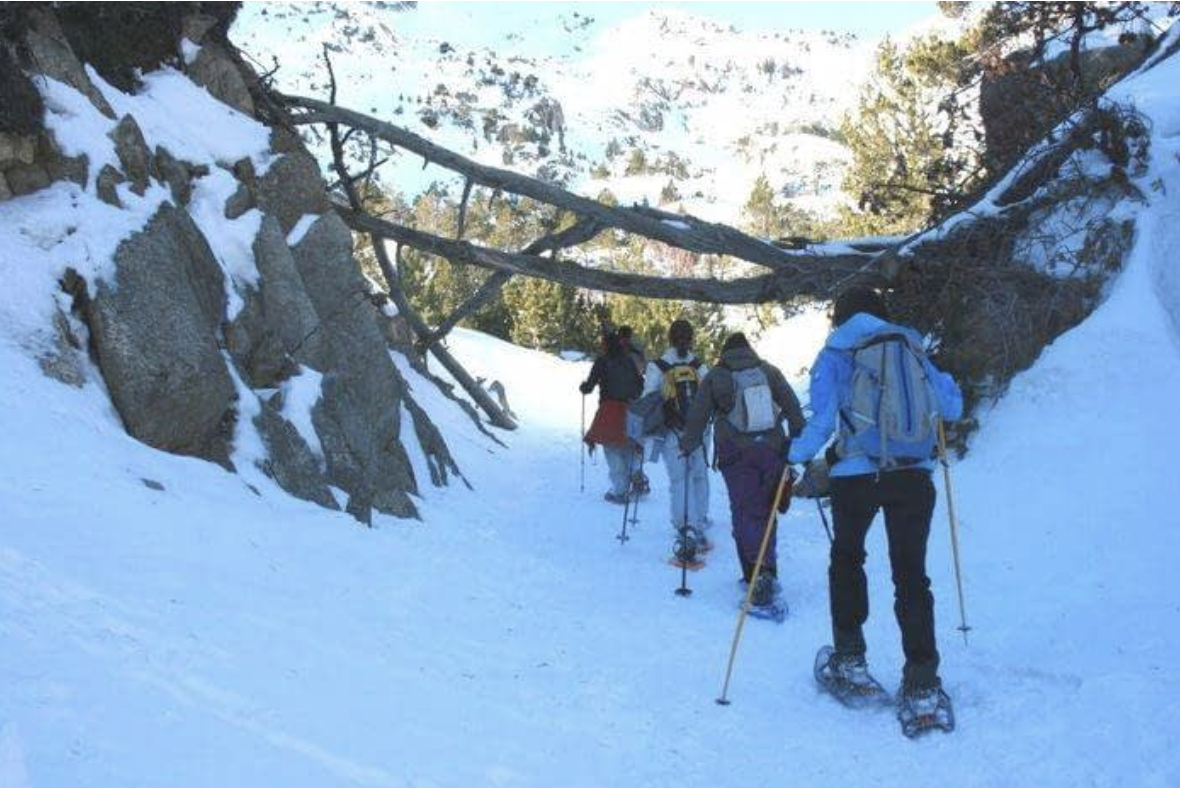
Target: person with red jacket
x,y
618,381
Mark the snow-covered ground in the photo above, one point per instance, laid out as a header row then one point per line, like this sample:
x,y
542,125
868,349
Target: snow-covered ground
x,y
202,635
163,625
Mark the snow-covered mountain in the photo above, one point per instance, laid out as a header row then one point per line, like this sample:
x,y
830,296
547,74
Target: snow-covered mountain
x,y
665,107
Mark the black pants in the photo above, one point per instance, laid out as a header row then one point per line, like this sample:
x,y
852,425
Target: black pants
x,y
907,497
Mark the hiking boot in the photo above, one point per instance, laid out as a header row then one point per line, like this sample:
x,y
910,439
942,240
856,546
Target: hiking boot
x,y
703,545
614,497
922,700
686,547
640,484
765,591
850,669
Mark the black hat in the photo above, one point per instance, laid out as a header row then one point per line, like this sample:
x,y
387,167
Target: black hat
x,y
855,300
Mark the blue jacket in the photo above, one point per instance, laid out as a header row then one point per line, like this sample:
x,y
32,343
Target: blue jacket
x,y
831,381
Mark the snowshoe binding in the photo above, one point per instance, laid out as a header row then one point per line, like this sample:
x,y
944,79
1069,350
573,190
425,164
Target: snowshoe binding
x,y
765,602
846,678
921,711
640,485
686,552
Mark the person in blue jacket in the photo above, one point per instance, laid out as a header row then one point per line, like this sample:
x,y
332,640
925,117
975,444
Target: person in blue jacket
x,y
860,488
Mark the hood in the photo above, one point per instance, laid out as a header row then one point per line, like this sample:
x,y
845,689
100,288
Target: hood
x,y
861,326
740,358
672,357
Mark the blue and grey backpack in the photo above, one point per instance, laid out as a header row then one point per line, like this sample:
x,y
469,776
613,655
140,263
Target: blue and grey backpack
x,y
889,412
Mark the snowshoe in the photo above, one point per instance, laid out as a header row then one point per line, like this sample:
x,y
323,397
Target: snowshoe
x,y
640,485
847,679
614,497
686,550
925,710
765,602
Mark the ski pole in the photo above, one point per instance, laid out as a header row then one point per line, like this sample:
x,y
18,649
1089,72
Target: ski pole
x,y
638,495
741,622
622,536
950,510
582,450
827,529
684,590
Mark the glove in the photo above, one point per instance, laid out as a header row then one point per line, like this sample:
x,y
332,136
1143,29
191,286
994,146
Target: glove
x,y
586,388
815,481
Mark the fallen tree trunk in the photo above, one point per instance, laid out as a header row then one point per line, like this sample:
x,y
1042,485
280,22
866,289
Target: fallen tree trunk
x,y
684,232
818,281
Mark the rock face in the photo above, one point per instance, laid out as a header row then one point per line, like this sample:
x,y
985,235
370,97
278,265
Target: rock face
x,y
358,420
154,332
183,376
278,328
290,461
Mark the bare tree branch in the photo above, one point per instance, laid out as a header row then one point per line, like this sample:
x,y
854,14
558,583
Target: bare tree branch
x,y
773,286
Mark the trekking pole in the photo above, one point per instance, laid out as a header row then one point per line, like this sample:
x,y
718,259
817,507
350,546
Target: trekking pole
x,y
582,449
741,622
622,536
684,590
638,495
950,510
827,529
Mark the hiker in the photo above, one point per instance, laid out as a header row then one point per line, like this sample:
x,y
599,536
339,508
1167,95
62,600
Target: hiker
x,y
871,366
640,484
618,384
677,377
747,399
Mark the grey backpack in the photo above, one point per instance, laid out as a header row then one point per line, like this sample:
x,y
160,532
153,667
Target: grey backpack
x,y
754,409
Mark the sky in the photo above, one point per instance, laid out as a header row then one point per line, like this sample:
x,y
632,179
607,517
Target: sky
x,y
472,24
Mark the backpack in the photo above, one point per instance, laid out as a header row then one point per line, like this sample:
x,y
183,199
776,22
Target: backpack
x,y
891,405
645,416
754,408
678,390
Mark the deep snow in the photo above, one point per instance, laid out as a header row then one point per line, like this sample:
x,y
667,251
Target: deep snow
x,y
205,635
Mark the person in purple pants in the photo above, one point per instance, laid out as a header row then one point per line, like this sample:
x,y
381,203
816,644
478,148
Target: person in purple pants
x,y
747,399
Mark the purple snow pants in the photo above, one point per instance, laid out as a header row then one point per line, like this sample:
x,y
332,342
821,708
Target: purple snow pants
x,y
751,474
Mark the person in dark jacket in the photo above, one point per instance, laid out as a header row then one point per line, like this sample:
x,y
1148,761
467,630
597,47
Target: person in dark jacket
x,y
860,488
618,383
747,400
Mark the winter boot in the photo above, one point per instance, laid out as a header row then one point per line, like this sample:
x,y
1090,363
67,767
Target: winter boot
x,y
686,550
614,497
640,484
765,591
921,709
846,677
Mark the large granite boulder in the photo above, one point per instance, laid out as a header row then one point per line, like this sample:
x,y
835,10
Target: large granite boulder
x,y
359,417
155,332
278,326
290,189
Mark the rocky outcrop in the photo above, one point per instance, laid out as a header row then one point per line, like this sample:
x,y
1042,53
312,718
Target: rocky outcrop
x,y
278,328
155,328
195,356
358,420
290,461
215,70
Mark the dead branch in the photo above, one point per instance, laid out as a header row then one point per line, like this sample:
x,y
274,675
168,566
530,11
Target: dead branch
x,y
685,232
773,286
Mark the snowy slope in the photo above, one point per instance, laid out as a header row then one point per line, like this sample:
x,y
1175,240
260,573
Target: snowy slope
x,y
710,107
206,635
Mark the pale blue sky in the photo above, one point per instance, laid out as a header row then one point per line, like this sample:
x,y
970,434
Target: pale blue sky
x,y
471,24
